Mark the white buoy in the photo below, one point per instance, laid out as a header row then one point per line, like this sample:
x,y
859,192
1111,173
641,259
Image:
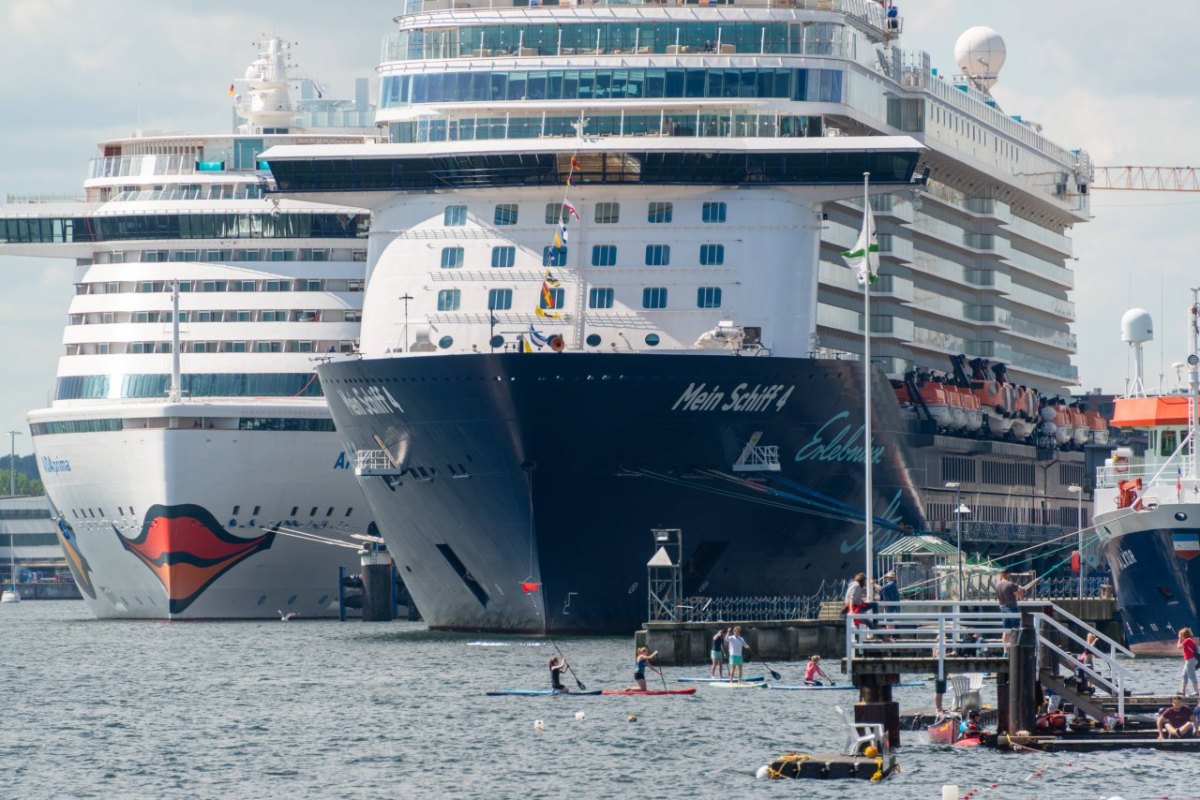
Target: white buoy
x,y
949,792
538,725
579,715
764,772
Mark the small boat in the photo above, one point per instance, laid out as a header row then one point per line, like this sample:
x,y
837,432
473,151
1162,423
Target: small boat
x,y
537,692
739,685
944,731
688,690
717,680
10,596
838,687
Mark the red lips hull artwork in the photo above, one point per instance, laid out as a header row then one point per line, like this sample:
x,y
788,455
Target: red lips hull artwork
x,y
187,549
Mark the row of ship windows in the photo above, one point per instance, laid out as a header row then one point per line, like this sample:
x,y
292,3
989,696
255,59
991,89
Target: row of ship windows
x,y
214,256
67,230
218,315
214,384
721,124
1002,473
814,85
603,255
215,191
289,424
98,513
273,285
606,213
271,346
653,297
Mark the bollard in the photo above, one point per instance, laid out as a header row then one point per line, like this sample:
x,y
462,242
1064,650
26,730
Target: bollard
x,y
377,585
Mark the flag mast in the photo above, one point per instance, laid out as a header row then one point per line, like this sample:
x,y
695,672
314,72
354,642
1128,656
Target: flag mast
x,y
867,276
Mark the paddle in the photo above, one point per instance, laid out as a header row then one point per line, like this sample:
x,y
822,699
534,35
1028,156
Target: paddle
x,y
578,682
774,675
661,677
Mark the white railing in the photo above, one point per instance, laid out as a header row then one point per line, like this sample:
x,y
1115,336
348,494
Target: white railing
x,y
374,462
1112,677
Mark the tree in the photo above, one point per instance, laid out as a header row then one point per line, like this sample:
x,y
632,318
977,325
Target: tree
x,y
27,483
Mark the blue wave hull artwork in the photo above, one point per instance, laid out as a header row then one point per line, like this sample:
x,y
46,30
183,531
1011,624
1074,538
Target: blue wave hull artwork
x,y
525,487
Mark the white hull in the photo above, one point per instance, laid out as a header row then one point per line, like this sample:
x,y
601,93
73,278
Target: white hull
x,y
113,487
10,597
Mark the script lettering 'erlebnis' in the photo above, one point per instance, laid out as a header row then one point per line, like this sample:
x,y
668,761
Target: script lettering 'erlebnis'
x,y
845,444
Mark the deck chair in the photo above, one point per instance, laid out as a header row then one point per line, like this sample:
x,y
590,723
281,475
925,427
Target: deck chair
x,y
966,697
860,734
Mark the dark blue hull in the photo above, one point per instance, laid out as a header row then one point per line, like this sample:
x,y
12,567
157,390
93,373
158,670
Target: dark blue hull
x,y
1156,574
552,470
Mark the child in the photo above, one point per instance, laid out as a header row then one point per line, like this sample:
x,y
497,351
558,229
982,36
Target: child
x,y
813,670
558,665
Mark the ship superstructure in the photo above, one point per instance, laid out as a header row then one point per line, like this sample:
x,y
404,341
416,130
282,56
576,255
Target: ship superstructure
x,y
607,292
188,432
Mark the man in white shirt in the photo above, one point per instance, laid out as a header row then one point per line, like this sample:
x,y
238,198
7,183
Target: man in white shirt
x,y
734,643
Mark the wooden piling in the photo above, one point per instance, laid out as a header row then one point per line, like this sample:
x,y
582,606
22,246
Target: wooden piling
x,y
1022,676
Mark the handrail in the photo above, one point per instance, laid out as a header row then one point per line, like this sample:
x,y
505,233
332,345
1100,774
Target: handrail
x,y
1116,689
1061,613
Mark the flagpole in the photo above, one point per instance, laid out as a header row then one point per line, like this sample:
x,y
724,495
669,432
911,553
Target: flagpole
x,y
868,509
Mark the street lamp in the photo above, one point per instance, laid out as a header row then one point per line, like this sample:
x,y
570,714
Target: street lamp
x,y
12,462
1078,492
959,510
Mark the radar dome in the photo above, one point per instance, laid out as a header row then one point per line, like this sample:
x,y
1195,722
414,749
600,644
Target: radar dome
x,y
980,54
1137,326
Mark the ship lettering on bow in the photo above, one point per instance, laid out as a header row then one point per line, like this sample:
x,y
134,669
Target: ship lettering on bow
x,y
698,397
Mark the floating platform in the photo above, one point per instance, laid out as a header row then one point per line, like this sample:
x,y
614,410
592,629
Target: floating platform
x,y
829,766
1097,740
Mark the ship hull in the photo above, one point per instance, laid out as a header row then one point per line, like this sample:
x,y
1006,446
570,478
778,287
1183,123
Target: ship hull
x,y
527,487
179,523
1152,556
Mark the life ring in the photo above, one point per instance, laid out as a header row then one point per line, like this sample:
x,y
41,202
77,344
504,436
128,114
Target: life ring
x,y
1120,465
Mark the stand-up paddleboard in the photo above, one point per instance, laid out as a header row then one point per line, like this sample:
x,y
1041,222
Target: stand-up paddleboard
x,y
753,679
742,685
688,690
537,692
841,686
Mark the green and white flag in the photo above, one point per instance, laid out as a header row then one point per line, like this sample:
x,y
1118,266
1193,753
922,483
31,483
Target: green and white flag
x,y
865,255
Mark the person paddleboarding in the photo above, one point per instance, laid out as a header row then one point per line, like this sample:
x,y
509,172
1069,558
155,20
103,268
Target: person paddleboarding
x,y
558,665
644,657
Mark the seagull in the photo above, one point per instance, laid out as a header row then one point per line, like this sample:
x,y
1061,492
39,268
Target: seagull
x,y
288,616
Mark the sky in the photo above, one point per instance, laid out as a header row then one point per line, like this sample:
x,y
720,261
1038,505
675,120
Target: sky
x,y
1106,76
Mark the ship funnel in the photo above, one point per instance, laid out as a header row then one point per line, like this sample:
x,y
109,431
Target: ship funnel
x,y
1137,328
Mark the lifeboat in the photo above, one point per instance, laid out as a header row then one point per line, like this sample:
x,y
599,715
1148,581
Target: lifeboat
x,y
1025,416
971,408
1064,428
933,395
1097,428
958,414
1080,430
995,400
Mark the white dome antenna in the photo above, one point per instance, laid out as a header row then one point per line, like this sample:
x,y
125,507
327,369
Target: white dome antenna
x,y
980,53
1137,328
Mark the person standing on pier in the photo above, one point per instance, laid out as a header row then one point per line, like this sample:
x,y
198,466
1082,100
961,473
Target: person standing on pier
x,y
1008,594
735,644
718,654
1187,644
856,598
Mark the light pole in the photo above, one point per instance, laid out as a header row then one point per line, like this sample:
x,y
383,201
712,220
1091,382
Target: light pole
x,y
12,462
405,298
1078,492
959,510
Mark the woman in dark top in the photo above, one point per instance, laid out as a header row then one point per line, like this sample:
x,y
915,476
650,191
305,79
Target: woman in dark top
x,y
557,667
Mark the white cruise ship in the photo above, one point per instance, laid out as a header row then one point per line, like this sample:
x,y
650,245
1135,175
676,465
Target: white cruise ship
x,y
607,294
180,453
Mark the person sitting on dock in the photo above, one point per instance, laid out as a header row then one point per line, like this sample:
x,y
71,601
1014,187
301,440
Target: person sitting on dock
x,y
812,670
718,654
735,644
644,657
558,665
1175,720
1187,645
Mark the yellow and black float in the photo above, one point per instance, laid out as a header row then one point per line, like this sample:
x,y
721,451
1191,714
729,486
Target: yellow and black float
x,y
870,766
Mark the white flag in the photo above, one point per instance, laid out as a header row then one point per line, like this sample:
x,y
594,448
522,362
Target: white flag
x,y
865,255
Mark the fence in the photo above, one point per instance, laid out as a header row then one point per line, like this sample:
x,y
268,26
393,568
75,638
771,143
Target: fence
x,y
765,608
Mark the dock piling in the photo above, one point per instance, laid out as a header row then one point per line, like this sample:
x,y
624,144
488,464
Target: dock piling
x,y
1022,675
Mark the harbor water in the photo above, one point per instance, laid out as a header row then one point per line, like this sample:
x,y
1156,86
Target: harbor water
x,y
319,709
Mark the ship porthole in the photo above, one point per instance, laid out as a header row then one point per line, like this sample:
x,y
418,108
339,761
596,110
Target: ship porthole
x,y
496,341
702,587
445,342
652,339
262,599
593,340
1179,515
633,587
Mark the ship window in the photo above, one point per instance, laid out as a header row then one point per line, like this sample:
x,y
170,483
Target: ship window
x,y
1167,443
554,256
654,297
295,510
454,216
658,255
452,257
329,513
349,511
445,342
236,509
593,340
608,213
556,214
600,298
713,212
506,214
604,255
652,338
712,255
499,299
660,212
708,297
551,298
257,509
313,512
504,256
449,299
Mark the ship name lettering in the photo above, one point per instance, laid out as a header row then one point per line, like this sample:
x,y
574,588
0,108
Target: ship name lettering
x,y
55,464
694,398
1126,558
698,397
371,401
846,444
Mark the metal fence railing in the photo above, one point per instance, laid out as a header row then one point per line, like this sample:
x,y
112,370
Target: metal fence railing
x,y
763,608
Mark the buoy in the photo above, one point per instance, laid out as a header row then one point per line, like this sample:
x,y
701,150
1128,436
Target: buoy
x,y
764,772
538,725
870,752
949,792
633,718
579,715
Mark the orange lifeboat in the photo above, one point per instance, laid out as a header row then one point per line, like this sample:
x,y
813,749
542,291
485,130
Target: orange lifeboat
x,y
1097,429
995,399
933,395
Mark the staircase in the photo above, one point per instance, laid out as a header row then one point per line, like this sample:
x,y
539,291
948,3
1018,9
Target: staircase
x,y
1061,639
